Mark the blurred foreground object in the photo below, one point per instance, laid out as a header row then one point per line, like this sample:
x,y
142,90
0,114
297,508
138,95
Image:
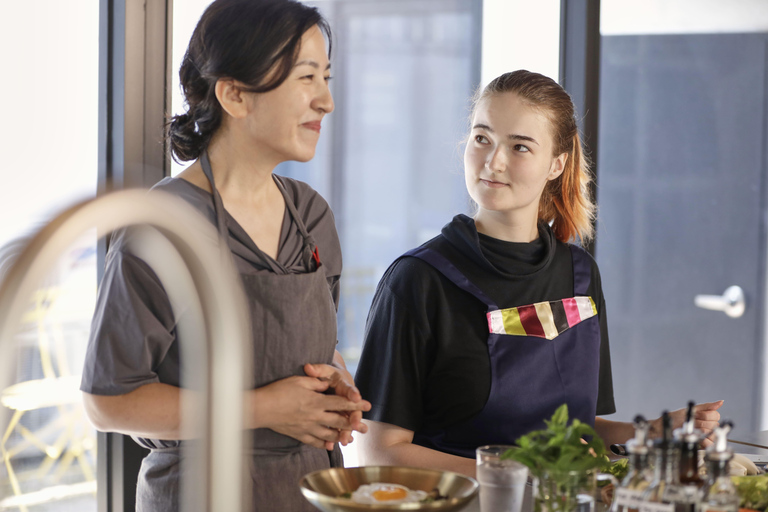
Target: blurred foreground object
x,y
220,375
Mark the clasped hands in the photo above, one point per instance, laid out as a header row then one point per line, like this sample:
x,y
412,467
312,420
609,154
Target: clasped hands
x,y
320,410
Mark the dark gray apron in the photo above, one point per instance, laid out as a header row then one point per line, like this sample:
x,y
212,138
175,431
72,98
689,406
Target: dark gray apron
x,y
293,321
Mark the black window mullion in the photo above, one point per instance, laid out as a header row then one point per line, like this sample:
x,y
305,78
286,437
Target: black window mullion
x,y
580,72
133,91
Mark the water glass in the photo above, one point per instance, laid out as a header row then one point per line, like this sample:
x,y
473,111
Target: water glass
x,y
502,482
569,491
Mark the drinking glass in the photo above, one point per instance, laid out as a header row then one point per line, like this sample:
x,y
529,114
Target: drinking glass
x,y
569,491
502,482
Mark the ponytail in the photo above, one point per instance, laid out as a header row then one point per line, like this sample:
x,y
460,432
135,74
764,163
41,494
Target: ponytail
x,y
566,201
190,133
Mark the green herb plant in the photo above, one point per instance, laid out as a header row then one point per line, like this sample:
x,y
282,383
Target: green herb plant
x,y
619,469
753,491
562,457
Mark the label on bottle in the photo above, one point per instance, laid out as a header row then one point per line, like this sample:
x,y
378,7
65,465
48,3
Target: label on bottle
x,y
648,506
629,498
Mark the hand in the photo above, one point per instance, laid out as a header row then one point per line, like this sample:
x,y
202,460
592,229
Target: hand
x,y
706,418
297,407
705,415
342,383
338,378
591,451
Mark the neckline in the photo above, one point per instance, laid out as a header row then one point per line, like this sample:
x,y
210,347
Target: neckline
x,y
462,233
308,243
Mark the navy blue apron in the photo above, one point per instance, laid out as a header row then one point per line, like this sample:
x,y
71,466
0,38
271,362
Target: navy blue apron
x,y
531,374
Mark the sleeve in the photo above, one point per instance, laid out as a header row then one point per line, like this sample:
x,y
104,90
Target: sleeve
x,y
393,365
605,400
132,328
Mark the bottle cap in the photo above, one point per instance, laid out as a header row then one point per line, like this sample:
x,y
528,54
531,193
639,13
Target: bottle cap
x,y
719,450
688,433
639,443
665,442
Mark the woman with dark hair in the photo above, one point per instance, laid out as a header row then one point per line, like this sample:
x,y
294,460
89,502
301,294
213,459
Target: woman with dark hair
x,y
255,78
477,336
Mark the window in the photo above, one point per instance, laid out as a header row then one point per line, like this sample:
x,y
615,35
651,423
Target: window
x,y
49,150
681,169
389,161
392,167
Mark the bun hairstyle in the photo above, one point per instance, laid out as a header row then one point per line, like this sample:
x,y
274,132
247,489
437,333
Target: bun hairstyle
x,y
566,201
253,41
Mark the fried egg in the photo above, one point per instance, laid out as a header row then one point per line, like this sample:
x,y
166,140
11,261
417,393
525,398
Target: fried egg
x,y
393,494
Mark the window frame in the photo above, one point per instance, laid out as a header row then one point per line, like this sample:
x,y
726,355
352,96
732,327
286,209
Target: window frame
x,y
580,76
134,96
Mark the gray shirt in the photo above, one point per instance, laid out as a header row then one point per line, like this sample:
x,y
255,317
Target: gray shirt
x,y
133,336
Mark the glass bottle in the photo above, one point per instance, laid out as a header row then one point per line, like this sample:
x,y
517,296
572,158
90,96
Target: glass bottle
x,y
684,495
664,454
666,493
688,438
719,492
628,495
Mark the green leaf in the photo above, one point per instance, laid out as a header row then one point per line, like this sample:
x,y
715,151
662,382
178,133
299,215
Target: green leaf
x,y
556,440
508,454
619,469
597,446
582,429
561,415
521,457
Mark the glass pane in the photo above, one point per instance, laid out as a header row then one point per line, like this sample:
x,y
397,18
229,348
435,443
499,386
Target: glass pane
x,y
185,17
680,163
49,444
390,158
531,27
49,162
389,161
409,72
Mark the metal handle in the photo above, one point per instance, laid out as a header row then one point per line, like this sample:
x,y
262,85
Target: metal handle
x,y
218,377
731,302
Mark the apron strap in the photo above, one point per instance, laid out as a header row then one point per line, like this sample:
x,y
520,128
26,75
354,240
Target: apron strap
x,y
309,251
218,204
449,270
582,270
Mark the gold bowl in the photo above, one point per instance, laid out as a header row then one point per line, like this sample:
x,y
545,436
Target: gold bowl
x,y
323,488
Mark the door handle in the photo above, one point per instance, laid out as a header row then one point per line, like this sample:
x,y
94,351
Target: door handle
x,y
731,302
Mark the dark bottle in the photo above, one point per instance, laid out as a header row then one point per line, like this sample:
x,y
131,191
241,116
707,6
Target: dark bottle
x,y
688,437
